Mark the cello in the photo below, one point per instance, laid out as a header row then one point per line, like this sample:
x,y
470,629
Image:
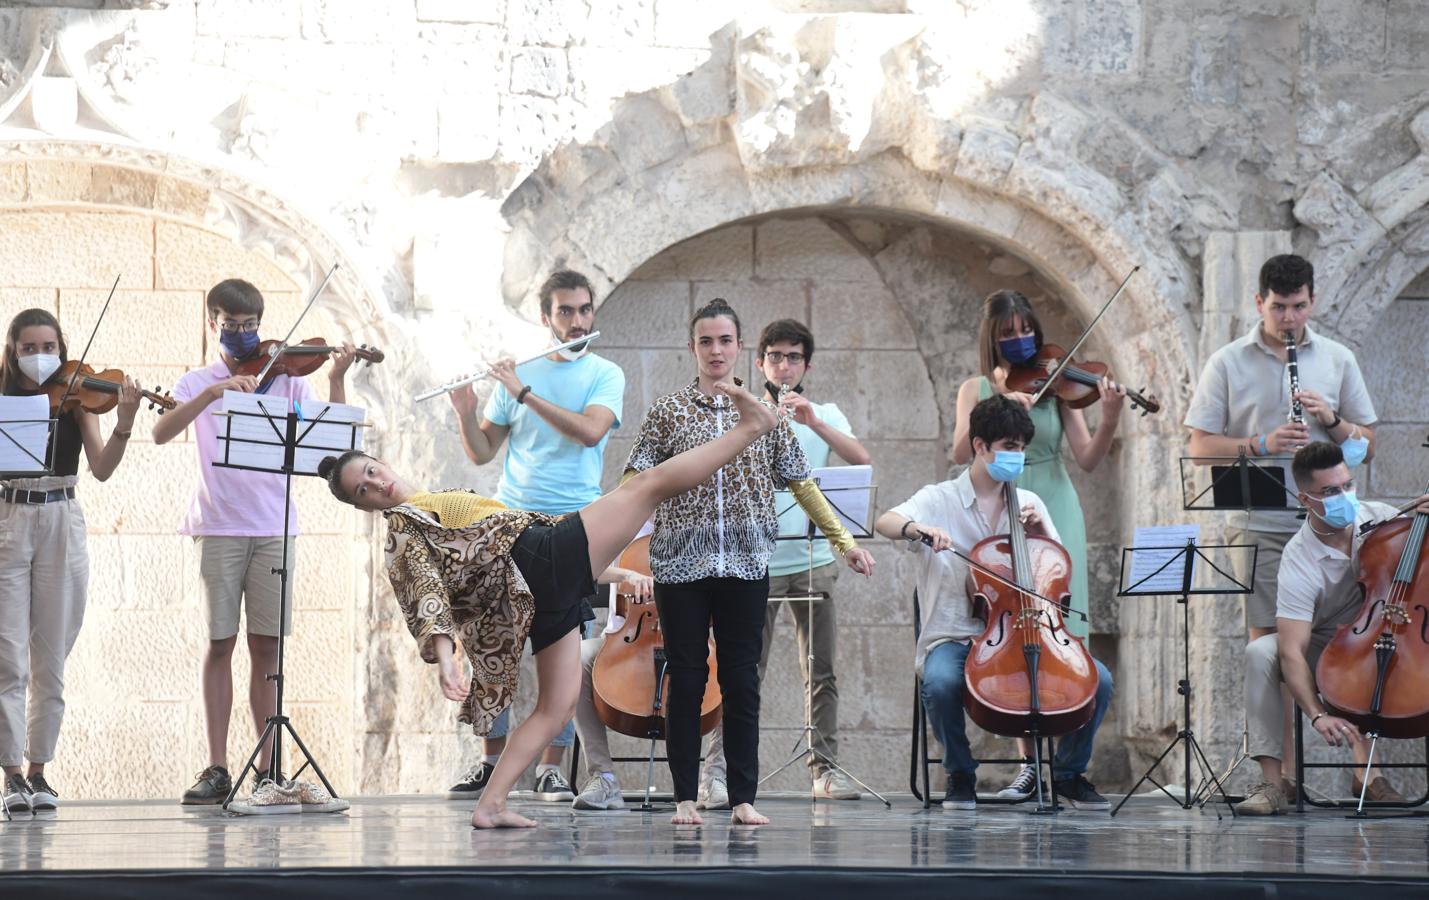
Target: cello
x,y
1375,671
1025,674
629,682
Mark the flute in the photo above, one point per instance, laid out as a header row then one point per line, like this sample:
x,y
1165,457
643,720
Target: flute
x,y
1297,413
453,385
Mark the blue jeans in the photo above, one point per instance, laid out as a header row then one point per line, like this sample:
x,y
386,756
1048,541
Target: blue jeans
x,y
942,692
502,726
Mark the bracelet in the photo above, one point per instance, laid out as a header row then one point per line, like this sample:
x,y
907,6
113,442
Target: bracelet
x,y
116,433
1337,421
903,532
1264,451
521,397
1316,718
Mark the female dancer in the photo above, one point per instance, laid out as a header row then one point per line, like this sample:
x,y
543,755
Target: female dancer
x,y
1011,334
465,567
44,563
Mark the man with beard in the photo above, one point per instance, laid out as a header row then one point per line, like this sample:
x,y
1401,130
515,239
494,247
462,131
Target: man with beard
x,y
556,414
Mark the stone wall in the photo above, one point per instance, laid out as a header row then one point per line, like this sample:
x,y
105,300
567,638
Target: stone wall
x,y
449,154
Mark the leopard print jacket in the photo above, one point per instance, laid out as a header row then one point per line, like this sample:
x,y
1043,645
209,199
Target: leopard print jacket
x,y
725,527
462,582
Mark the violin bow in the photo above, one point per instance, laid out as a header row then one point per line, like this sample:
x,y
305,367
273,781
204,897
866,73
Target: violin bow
x,y
1067,360
69,388
283,344
1006,582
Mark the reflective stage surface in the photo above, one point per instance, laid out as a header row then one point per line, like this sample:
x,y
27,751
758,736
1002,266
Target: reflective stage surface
x,y
1150,838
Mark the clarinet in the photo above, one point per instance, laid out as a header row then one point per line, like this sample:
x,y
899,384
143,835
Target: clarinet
x,y
779,402
1297,414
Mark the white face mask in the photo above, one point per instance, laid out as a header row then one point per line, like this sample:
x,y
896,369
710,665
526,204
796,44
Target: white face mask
x,y
39,367
571,354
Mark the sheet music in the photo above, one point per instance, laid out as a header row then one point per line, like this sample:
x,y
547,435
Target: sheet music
x,y
26,420
847,490
254,440
330,435
1145,562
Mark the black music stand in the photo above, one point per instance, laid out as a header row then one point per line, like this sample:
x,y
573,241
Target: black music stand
x,y
289,431
859,530
1149,586
31,466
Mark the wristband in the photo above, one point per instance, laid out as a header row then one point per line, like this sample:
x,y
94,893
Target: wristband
x,y
1337,421
1317,718
521,397
903,532
1264,451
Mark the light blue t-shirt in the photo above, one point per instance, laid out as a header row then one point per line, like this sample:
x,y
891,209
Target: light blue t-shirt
x,y
545,471
791,557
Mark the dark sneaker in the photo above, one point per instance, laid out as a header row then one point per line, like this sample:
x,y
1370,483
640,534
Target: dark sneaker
x,y
472,783
1080,794
962,792
17,794
1023,786
551,785
43,798
211,789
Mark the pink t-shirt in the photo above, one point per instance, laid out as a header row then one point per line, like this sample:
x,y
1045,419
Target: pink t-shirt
x,y
235,502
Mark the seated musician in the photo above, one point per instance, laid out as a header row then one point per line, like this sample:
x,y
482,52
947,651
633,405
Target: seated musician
x,y
464,566
1318,591
957,514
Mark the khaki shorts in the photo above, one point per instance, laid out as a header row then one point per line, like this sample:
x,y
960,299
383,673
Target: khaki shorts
x,y
1260,606
236,571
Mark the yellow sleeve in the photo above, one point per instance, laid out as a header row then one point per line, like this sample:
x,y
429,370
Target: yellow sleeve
x,y
811,501
627,475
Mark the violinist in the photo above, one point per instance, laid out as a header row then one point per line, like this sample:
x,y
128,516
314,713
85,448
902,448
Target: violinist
x,y
1243,403
1009,337
236,521
467,569
555,417
1317,591
957,514
44,563
709,553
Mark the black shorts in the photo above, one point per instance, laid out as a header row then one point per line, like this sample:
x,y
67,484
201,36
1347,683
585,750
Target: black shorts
x,y
555,562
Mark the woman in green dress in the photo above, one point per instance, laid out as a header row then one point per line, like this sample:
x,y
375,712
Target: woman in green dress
x,y
1011,333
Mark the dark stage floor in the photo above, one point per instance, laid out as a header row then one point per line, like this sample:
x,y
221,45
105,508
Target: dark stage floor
x,y
401,844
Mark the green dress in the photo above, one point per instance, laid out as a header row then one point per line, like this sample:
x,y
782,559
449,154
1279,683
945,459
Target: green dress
x,y
1046,476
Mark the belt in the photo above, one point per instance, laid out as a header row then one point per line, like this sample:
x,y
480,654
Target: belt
x,y
20,495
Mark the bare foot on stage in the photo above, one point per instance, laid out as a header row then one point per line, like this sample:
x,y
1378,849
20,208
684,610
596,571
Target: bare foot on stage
x,y
751,409
746,814
501,818
685,814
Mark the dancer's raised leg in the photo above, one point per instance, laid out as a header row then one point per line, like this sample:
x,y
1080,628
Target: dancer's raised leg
x,y
612,521
558,682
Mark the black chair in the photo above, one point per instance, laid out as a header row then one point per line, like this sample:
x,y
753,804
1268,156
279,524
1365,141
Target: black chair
x,y
920,760
1302,797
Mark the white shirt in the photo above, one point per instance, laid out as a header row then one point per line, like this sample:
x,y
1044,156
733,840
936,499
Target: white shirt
x,y
942,577
1244,390
1317,582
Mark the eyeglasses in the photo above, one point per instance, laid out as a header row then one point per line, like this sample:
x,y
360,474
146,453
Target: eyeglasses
x,y
774,358
1332,491
236,327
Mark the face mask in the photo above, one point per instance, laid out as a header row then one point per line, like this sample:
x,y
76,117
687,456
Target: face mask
x,y
1355,449
1019,349
39,367
773,389
1341,510
1006,465
571,354
238,344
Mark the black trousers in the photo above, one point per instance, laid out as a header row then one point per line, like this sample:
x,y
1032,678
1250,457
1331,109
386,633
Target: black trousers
x,y
735,608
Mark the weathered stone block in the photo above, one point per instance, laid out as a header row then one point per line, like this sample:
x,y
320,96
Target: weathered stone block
x,y
358,21
76,249
1392,372
1408,33
489,12
12,182
1347,36
1397,470
630,23
183,199
191,258
60,181
168,471
541,71
726,254
646,314
864,380
857,316
808,248
467,126
157,327
14,299
248,18
548,23
756,302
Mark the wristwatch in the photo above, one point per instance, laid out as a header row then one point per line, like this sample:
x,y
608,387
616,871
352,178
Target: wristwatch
x,y
521,397
1337,421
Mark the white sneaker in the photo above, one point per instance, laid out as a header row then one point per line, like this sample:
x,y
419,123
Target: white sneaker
x,y
43,797
269,798
831,784
314,798
713,794
600,793
17,794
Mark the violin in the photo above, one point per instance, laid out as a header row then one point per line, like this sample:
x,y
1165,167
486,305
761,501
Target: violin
x,y
95,392
1075,385
1375,671
629,682
297,360
1026,675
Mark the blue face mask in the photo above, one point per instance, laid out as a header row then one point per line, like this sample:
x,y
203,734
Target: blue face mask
x,y
238,344
1341,509
1355,449
1006,465
1019,349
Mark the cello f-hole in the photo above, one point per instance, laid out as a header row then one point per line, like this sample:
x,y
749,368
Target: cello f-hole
x,y
1369,617
635,635
1001,629
1423,625
1053,628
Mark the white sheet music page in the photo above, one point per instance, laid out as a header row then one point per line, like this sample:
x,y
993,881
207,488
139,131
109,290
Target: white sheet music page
x,y
1145,562
255,433
332,433
847,490
26,421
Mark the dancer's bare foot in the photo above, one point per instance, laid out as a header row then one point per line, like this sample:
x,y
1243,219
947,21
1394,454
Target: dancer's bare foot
x,y
751,408
685,814
746,814
499,818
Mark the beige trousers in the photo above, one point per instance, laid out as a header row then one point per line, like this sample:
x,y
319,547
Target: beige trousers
x,y
44,571
1264,706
